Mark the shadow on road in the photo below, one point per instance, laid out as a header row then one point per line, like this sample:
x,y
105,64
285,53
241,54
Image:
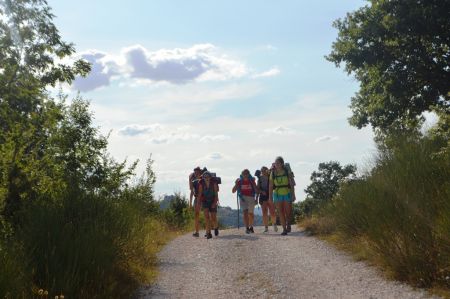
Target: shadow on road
x,y
239,237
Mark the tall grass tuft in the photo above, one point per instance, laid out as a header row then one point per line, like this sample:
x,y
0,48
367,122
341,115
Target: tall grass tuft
x,y
83,246
401,208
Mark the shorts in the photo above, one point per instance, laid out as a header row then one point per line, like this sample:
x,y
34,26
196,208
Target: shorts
x,y
247,203
208,205
263,198
280,198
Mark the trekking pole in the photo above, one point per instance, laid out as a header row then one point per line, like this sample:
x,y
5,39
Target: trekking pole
x,y
237,201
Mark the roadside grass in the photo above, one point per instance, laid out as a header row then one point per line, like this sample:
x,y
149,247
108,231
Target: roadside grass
x,y
397,216
83,247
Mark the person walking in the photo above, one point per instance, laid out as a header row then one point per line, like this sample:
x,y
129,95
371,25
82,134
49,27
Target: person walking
x,y
208,195
194,183
263,197
281,191
247,189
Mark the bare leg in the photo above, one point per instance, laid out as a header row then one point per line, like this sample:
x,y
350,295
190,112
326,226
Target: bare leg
x,y
281,211
251,217
245,216
207,221
214,220
288,213
197,217
273,215
265,208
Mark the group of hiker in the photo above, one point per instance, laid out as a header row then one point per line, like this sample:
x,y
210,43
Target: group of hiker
x,y
275,189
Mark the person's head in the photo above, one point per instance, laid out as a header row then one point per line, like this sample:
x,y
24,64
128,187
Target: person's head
x,y
245,173
197,171
279,162
206,175
264,170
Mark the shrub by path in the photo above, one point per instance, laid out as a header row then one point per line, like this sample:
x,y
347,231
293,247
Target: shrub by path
x,y
236,265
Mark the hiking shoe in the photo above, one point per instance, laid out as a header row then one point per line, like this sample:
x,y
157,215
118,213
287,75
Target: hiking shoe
x,y
209,236
251,230
266,229
247,230
284,233
275,228
288,229
196,234
216,231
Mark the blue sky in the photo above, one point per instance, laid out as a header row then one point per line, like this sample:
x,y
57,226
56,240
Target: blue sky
x,y
223,84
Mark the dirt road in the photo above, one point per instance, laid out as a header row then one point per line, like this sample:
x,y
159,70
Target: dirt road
x,y
236,265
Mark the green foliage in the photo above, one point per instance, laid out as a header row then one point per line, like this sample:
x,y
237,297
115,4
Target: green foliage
x,y
72,219
399,52
305,208
324,185
402,211
178,215
31,47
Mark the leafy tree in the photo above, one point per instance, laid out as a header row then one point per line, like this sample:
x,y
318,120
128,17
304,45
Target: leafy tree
x,y
325,181
399,51
31,51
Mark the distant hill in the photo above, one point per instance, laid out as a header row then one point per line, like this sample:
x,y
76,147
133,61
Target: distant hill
x,y
164,202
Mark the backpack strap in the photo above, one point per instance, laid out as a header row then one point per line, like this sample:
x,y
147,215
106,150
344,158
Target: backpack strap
x,y
287,174
252,184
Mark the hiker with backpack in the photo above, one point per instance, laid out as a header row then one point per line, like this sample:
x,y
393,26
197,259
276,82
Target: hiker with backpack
x,y
246,189
263,196
208,195
194,183
281,191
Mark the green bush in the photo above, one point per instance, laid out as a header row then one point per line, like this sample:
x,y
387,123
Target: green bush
x,y
402,207
85,246
178,215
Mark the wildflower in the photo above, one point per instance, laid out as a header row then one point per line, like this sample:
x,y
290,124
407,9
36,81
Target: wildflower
x,y
56,297
61,296
45,293
40,292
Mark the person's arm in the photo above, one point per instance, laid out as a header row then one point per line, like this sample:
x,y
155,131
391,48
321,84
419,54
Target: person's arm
x,y
235,186
200,193
256,189
292,183
216,196
191,195
191,187
270,188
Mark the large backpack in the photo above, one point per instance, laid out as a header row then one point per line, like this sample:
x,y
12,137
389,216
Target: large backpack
x,y
212,184
287,173
252,184
194,183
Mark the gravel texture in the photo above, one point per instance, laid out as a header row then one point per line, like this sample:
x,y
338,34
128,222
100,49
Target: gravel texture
x,y
236,265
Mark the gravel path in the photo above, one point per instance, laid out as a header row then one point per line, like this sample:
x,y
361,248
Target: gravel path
x,y
236,265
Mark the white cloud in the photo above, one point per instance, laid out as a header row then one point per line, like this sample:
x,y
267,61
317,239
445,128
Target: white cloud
x,y
102,71
173,137
201,62
186,136
214,156
326,138
269,73
211,138
281,130
134,129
